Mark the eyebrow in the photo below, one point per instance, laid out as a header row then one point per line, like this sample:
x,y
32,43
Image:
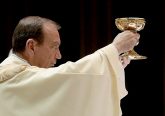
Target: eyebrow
x,y
55,43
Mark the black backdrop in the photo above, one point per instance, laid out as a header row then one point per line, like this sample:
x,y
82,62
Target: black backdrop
x,y
88,25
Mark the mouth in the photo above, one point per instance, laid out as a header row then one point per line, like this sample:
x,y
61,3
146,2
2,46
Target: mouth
x,y
52,65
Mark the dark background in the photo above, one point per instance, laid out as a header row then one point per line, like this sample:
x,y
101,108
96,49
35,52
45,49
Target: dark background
x,y
88,25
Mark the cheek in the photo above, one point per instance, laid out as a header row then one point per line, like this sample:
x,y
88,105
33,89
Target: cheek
x,y
43,55
53,55
50,55
43,58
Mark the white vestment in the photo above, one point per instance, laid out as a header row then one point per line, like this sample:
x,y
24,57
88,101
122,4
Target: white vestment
x,y
92,86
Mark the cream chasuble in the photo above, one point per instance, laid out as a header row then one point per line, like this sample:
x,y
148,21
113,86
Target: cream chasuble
x,y
92,86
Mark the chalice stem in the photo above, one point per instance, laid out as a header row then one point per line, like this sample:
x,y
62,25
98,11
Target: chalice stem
x,y
133,55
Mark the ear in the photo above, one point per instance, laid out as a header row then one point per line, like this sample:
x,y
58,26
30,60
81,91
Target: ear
x,y
30,46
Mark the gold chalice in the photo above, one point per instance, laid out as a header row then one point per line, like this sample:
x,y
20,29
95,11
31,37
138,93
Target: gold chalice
x,y
133,24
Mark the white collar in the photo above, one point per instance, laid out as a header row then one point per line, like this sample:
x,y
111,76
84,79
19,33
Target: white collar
x,y
22,60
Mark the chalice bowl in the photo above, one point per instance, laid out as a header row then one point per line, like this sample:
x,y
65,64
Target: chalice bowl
x,y
133,24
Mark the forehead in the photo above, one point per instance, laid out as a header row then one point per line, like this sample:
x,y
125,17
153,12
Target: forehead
x,y
51,33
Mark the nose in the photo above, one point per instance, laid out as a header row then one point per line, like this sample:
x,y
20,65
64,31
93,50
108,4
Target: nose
x,y
58,55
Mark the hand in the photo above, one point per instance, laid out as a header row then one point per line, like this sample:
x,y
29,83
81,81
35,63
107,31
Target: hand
x,y
125,41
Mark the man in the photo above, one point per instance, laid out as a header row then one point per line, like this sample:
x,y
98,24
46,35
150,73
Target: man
x,y
31,86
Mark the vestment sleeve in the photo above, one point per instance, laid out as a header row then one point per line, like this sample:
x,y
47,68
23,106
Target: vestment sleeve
x,y
104,61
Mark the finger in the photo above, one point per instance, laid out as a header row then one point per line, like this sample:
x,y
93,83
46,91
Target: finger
x,y
125,60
